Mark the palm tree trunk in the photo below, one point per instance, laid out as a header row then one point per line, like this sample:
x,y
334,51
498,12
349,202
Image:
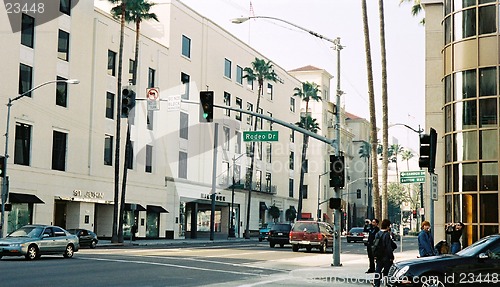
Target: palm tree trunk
x,y
385,112
302,172
373,119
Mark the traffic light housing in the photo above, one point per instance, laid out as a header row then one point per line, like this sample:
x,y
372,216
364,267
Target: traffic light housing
x,y
428,145
206,106
2,166
334,203
128,100
337,171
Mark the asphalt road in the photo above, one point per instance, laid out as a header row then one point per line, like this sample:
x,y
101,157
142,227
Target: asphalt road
x,y
221,264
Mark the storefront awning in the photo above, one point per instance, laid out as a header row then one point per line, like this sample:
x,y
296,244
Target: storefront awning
x,y
156,208
263,206
138,207
24,198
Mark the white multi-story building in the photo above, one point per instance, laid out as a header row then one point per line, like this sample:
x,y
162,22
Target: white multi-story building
x,y
62,137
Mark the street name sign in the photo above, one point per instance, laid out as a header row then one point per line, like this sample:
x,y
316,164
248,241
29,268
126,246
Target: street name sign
x,y
434,187
260,136
412,176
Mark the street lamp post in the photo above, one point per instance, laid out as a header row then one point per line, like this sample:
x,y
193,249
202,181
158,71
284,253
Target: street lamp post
x,y
231,228
5,186
336,144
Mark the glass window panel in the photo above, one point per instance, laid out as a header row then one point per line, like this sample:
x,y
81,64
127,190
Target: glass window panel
x,y
27,30
489,177
466,146
447,30
186,46
65,6
108,150
448,118
448,205
487,20
25,79
488,81
457,202
465,85
182,165
469,208
488,230
239,75
227,68
184,123
63,45
448,178
488,203
465,175
447,89
239,106
111,63
470,235
59,143
185,79
149,159
61,92
488,112
448,148
227,102
110,105
465,24
460,4
488,144
447,7
22,145
486,1
466,115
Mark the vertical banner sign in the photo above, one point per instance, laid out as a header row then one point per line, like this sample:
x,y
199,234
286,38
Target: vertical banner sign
x,y
153,96
434,186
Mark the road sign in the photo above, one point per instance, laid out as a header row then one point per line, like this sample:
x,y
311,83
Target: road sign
x,y
412,176
174,103
153,96
260,136
434,187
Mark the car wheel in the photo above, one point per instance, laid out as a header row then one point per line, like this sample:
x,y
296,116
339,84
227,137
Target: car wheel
x,y
68,253
295,248
32,253
322,247
433,280
93,244
271,244
308,248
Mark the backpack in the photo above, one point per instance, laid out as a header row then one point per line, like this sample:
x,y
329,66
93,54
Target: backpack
x,y
378,245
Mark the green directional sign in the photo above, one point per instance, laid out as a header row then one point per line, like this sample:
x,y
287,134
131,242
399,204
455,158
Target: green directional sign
x,y
412,176
260,136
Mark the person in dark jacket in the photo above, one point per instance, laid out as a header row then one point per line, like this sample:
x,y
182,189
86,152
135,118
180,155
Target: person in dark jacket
x,y
387,246
372,229
425,240
456,230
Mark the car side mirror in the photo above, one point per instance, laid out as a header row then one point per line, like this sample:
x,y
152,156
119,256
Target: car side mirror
x,y
483,256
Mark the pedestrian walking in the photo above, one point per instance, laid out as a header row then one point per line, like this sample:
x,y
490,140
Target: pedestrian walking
x,y
425,240
371,227
383,251
456,230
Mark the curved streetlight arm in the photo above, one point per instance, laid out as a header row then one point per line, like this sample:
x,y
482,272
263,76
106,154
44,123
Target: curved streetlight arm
x,y
419,131
244,19
72,81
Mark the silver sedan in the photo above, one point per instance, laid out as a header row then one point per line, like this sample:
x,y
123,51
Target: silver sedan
x,y
32,241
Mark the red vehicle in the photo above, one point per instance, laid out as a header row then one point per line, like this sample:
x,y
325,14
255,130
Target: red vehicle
x,y
311,234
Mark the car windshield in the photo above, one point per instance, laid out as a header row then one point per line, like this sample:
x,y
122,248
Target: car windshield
x,y
306,227
356,230
281,227
27,231
476,248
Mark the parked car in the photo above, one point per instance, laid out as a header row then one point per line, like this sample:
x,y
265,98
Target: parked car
x,y
311,234
356,234
279,234
33,241
264,230
476,265
86,237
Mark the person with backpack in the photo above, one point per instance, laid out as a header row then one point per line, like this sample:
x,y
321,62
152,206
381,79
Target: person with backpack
x,y
425,240
372,229
383,250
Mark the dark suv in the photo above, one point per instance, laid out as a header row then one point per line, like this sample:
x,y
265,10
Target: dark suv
x,y
279,234
311,234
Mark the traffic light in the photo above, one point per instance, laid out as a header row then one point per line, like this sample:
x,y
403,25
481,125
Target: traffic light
x,y
337,171
206,106
128,100
428,144
2,165
334,203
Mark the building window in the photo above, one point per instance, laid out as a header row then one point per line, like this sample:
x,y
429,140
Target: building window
x,y
182,165
65,6
108,150
237,174
465,24
306,166
304,192
292,157
488,81
131,69
227,68
150,120
239,105
227,136
239,75
249,117
292,136
151,78
465,85
184,123
149,159
27,30
186,46
269,153
227,103
292,105
268,182
237,148
25,79
249,84
130,154
487,20
270,91
259,120
185,78
111,63
270,122
290,187
258,180
59,143
248,149
63,46
22,148
61,92
110,105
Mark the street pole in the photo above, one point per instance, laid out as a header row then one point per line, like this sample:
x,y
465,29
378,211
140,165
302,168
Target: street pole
x,y
5,185
318,212
214,178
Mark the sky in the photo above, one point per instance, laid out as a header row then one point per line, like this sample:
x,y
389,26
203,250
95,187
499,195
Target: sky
x,y
291,48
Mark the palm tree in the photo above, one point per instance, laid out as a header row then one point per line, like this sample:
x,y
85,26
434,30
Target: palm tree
x,y
385,111
121,16
310,124
308,92
416,8
365,152
407,155
395,151
373,119
260,71
136,11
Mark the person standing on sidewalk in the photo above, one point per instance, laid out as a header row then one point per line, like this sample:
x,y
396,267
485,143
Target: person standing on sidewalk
x,y
425,240
456,230
384,253
372,229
